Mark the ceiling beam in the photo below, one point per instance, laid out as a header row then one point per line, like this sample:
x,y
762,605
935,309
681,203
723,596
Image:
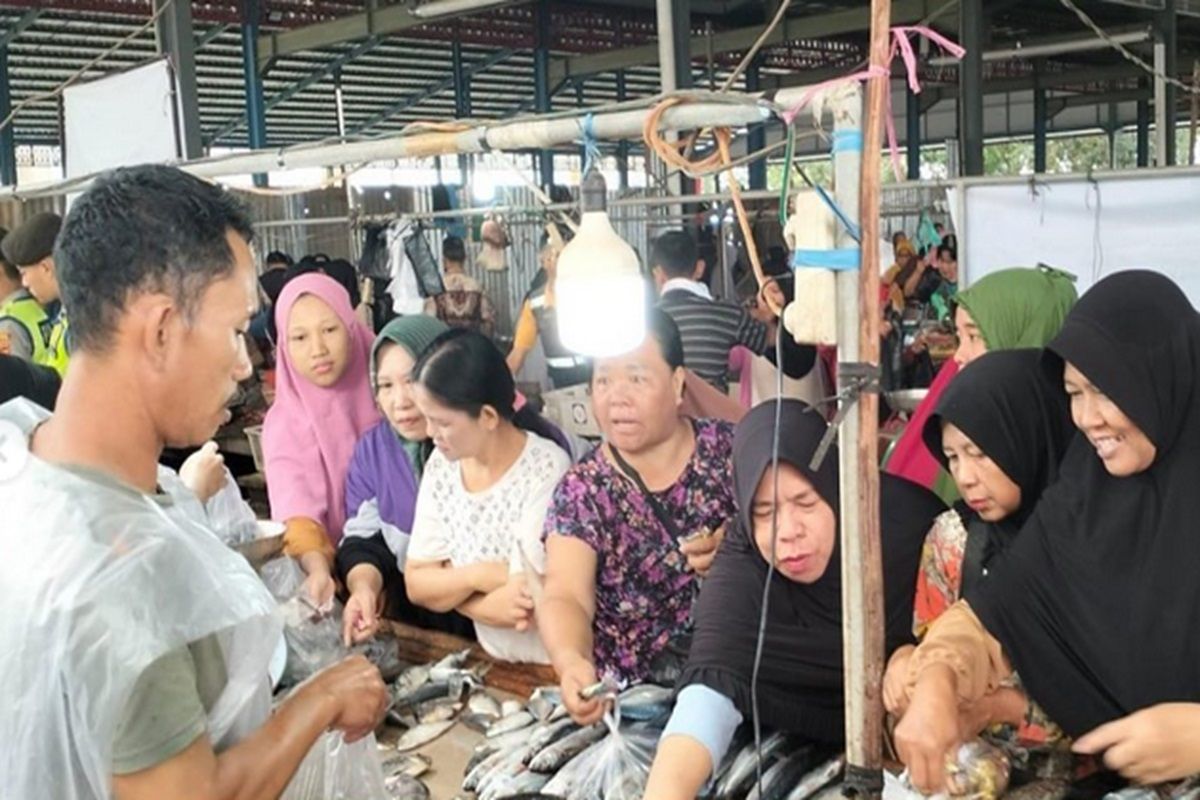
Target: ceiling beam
x,y
430,91
816,26
378,22
20,26
211,35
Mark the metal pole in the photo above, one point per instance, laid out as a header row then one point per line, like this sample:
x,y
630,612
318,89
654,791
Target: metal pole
x,y
757,138
1162,118
1195,103
462,104
541,86
972,26
1143,127
668,67
256,112
8,145
623,147
1040,118
912,137
176,38
1169,36
340,104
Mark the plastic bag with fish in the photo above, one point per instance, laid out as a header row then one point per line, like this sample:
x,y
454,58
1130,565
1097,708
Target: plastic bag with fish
x,y
314,637
231,517
334,770
617,767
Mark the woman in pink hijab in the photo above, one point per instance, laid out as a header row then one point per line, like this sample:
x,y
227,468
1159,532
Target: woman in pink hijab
x,y
323,404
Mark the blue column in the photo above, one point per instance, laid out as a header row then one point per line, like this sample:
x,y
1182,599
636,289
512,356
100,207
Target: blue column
x,y
1143,126
541,85
1040,120
623,146
462,102
256,109
8,146
757,138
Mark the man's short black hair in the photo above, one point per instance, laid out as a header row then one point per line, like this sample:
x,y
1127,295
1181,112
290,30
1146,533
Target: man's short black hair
x,y
453,249
279,257
144,228
10,270
675,253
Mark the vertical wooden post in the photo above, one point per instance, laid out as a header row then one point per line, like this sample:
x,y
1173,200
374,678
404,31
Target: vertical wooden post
x,y
862,565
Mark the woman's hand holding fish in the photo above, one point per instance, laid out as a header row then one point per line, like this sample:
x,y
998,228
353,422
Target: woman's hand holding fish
x,y
1157,744
575,677
358,694
702,551
515,603
204,472
360,620
930,729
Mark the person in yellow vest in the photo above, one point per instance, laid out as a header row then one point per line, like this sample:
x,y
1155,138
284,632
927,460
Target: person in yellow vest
x,y
30,247
21,316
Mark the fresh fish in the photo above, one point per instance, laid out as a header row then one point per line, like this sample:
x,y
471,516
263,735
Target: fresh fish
x,y
402,787
818,779
411,678
455,688
484,704
422,735
438,711
542,704
741,737
477,722
564,781
834,791
645,703
508,786
560,712
478,771
497,779
513,722
556,755
549,733
414,765
1045,789
745,766
510,707
601,689
453,661
789,771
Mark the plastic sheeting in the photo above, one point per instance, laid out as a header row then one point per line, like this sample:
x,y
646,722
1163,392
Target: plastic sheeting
x,y
1090,227
97,582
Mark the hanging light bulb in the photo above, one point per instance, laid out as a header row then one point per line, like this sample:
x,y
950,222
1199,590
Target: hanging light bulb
x,y
600,294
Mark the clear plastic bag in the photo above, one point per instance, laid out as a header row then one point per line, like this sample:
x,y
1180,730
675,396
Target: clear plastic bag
x,y
230,516
334,770
617,767
314,637
283,577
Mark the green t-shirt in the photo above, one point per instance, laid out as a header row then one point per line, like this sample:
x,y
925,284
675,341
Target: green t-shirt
x,y
169,707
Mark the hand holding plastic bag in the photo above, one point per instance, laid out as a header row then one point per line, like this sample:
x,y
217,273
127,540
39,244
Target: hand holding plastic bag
x,y
617,767
230,516
335,770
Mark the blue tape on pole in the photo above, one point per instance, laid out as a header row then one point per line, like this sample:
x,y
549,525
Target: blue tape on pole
x,y
841,260
847,141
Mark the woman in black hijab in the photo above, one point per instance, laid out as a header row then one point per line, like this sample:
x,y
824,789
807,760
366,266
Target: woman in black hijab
x,y
1097,603
800,679
1001,430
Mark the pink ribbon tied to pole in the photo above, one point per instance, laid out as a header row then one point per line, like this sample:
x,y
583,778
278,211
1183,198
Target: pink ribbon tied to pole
x,y
902,46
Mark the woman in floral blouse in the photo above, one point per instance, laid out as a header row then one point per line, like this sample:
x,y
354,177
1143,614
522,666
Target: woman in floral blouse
x,y
1001,430
635,524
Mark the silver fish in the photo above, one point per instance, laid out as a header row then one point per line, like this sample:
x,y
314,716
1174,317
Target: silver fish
x,y
414,765
746,765
403,787
549,733
525,783
645,703
422,735
477,722
438,711
818,779
541,704
513,722
497,779
484,704
482,769
556,755
411,678
786,773
564,781
510,707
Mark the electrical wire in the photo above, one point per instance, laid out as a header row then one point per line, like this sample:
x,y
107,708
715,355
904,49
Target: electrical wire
x,y
753,51
1128,54
79,73
766,596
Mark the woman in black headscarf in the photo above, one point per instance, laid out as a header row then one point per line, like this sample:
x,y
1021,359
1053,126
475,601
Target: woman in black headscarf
x,y
800,679
1000,430
1097,603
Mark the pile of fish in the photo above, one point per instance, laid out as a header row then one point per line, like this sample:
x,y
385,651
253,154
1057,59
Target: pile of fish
x,y
534,749
791,770
538,749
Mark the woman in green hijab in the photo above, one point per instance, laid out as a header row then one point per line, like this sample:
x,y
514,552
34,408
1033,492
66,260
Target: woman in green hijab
x,y
1004,310
381,491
